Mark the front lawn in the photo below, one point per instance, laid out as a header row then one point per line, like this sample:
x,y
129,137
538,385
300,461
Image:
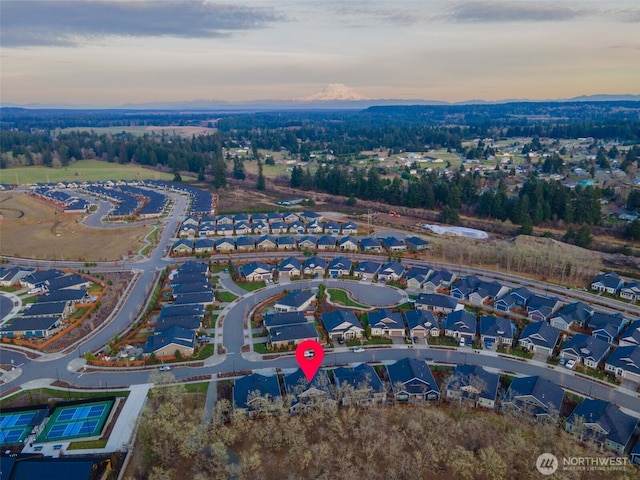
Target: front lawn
x,y
225,296
342,297
204,352
101,443
251,286
443,341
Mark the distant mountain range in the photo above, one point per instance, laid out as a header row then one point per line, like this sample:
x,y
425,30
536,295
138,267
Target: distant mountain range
x,y
335,96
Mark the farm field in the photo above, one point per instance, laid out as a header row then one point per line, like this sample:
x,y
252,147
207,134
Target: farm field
x,y
82,170
33,228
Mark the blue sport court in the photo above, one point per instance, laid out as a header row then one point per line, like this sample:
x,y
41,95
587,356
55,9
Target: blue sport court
x,y
77,421
16,426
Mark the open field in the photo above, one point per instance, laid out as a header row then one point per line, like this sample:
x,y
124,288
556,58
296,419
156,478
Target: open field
x,y
33,228
82,170
141,130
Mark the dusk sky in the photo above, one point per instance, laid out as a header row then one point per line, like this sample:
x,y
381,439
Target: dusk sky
x,y
111,52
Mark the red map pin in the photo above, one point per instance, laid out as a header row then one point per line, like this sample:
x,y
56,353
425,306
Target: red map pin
x,y
309,355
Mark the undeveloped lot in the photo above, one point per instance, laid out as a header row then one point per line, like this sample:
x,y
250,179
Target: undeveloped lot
x,y
33,228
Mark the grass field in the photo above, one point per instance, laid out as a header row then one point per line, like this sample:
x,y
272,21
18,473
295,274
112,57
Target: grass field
x,y
340,296
82,170
33,228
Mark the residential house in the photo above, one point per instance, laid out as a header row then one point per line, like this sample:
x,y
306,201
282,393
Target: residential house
x,y
539,337
340,267
606,326
296,301
243,228
393,244
391,272
436,302
634,454
422,324
370,245
308,242
297,227
224,229
496,331
474,385
291,335
290,217
416,276
631,335
182,247
36,327
536,396
50,309
204,298
308,396
366,270
256,395
255,272
631,291
225,244
460,325
171,341
349,228
359,386
315,266
541,308
576,314
342,325
332,228
260,227
485,292
412,381
286,243
385,323
283,319
609,282
416,244
291,267
461,288
522,296
279,227
245,243
348,243
274,217
586,349
505,303
602,423
439,279
10,276
266,242
624,362
241,217
315,226
326,242
310,216
224,220
258,218
204,245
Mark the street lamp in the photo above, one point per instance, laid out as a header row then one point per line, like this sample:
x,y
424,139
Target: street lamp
x,y
57,375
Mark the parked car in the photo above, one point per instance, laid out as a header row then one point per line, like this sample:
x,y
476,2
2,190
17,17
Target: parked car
x,y
164,368
562,362
358,350
570,363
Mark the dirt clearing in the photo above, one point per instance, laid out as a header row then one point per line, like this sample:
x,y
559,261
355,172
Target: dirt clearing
x,y
33,228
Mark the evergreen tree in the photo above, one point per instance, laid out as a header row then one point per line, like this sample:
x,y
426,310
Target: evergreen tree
x,y
261,183
238,169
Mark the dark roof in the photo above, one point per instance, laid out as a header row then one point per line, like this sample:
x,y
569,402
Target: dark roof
x,y
315,262
578,312
52,468
460,321
279,319
289,264
296,383
342,263
63,296
178,335
336,318
181,310
192,287
436,300
287,333
627,358
362,375
586,346
547,394
416,242
474,375
27,324
422,318
248,384
541,333
608,279
395,267
376,319
193,267
414,375
618,425
190,322
493,326
194,298
45,309
296,298
368,267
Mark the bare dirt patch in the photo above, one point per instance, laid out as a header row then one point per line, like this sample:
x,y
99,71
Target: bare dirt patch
x,y
44,232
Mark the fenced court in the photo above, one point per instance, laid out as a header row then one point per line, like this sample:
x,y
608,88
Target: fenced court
x,y
77,421
15,427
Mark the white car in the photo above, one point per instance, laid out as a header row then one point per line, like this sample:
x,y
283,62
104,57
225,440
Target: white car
x,y
358,350
164,368
570,364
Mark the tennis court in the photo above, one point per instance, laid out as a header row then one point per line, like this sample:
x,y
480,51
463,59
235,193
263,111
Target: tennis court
x,y
76,422
15,427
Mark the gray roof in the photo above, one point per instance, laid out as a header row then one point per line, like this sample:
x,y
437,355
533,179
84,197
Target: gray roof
x,y
541,334
280,319
618,425
296,298
626,358
414,375
24,324
474,375
436,300
547,395
288,333
245,386
587,347
174,335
